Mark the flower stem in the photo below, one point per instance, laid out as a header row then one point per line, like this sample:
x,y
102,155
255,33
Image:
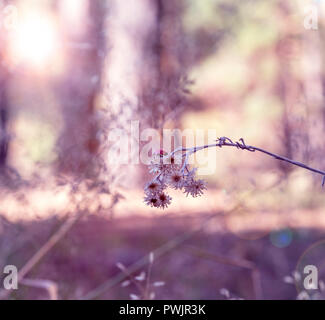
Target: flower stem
x,y
226,142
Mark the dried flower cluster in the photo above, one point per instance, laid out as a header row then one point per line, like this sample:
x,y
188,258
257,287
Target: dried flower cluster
x,y
171,171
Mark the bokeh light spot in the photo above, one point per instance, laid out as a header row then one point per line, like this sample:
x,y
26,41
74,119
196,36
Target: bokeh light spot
x,y
281,238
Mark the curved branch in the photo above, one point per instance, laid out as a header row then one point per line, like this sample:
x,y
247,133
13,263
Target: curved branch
x,y
226,142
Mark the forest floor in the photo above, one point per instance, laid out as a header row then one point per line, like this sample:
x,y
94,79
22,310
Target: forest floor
x,y
200,247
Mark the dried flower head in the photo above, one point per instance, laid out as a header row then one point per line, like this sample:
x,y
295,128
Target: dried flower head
x,y
151,200
164,200
154,187
194,187
176,180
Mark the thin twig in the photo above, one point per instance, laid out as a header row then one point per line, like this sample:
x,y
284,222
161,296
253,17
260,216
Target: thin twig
x,y
48,285
48,245
131,279
226,142
147,287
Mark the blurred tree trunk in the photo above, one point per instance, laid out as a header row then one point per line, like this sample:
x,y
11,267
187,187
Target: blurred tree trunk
x,y
4,141
130,64
4,109
144,70
302,92
164,85
312,66
294,137
78,90
142,80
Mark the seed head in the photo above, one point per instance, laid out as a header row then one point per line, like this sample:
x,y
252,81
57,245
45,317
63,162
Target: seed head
x,y
176,180
194,187
154,187
151,200
164,200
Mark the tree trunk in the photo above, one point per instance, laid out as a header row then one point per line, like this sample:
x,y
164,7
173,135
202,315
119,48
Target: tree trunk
x,y
78,90
130,26
4,115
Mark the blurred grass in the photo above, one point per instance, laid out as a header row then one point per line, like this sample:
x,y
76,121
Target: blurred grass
x,y
86,258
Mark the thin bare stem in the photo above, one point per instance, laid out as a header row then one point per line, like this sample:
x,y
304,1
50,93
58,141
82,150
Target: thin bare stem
x,y
131,279
226,142
48,245
48,285
147,288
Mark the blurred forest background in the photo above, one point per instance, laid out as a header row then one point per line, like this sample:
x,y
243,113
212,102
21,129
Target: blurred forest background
x,y
73,70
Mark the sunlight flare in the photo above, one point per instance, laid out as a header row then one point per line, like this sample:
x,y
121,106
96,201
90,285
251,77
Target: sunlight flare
x,y
35,40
